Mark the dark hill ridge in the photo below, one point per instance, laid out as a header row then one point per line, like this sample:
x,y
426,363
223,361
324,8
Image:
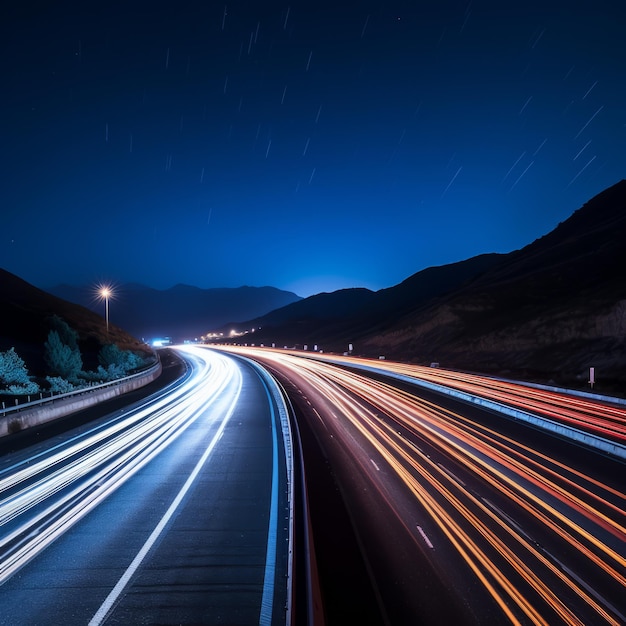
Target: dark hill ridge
x,y
181,312
577,247
345,316
24,314
550,310
547,311
555,307
343,303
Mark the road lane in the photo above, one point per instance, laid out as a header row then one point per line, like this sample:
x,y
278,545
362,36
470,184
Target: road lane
x,y
508,530
165,513
576,410
403,586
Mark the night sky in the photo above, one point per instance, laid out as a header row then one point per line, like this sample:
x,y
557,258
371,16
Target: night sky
x,y
308,146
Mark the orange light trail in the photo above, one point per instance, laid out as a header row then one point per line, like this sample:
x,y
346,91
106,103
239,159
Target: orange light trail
x,y
585,414
578,514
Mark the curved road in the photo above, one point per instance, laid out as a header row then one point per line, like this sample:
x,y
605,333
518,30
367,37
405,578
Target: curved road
x,y
173,511
461,515
179,508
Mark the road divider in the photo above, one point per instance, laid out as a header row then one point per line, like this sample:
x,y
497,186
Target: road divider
x,y
588,439
15,419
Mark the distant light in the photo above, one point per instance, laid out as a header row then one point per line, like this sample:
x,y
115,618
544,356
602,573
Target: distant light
x,y
159,342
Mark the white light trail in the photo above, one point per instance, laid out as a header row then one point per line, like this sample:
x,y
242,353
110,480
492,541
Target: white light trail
x,y
109,602
41,499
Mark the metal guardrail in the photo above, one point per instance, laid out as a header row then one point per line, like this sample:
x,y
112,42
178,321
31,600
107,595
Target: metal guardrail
x,y
283,410
6,410
588,395
303,603
594,441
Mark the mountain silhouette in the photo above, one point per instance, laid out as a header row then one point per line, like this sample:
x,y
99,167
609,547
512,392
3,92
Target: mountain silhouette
x,y
550,310
180,312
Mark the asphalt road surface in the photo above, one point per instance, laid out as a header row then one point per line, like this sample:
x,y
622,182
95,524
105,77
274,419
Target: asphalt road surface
x,y
172,511
422,509
461,516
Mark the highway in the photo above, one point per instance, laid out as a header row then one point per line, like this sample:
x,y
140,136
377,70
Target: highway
x,y
462,515
580,411
176,509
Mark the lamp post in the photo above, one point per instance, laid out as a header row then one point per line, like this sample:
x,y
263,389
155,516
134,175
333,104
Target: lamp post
x,y
105,294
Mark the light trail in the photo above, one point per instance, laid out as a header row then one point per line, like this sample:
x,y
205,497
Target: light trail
x,y
584,414
123,582
552,549
41,500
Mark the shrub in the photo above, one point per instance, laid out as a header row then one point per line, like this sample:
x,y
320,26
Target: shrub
x,y
115,371
26,389
59,384
14,376
62,359
112,358
99,376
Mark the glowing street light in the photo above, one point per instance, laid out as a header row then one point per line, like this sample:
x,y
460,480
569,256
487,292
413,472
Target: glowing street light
x,y
105,293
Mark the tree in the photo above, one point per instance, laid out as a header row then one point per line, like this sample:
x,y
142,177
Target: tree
x,y
62,351
119,362
110,354
14,376
62,360
66,333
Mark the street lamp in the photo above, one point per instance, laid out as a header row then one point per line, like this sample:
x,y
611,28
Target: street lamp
x,y
105,294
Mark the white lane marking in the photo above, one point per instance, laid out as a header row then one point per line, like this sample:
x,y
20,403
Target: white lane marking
x,y
269,579
508,519
374,464
110,600
451,474
425,537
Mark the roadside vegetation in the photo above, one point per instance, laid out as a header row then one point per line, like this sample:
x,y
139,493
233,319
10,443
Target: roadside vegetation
x,y
64,365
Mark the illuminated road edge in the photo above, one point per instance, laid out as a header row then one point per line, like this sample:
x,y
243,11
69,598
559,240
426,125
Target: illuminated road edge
x,y
275,394
48,494
588,439
42,497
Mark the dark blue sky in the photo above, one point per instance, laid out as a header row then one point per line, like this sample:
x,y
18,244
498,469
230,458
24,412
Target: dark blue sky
x,y
309,146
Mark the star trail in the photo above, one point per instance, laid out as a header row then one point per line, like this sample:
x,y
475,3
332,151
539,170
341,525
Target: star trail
x,y
307,146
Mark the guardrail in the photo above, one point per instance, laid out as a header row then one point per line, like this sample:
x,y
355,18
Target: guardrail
x,y
76,392
36,412
281,401
588,395
304,604
599,443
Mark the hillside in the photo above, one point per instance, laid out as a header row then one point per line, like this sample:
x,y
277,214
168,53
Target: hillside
x,y
548,311
24,314
552,309
333,320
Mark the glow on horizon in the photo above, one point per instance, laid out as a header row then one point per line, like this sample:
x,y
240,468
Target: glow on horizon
x,y
311,286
